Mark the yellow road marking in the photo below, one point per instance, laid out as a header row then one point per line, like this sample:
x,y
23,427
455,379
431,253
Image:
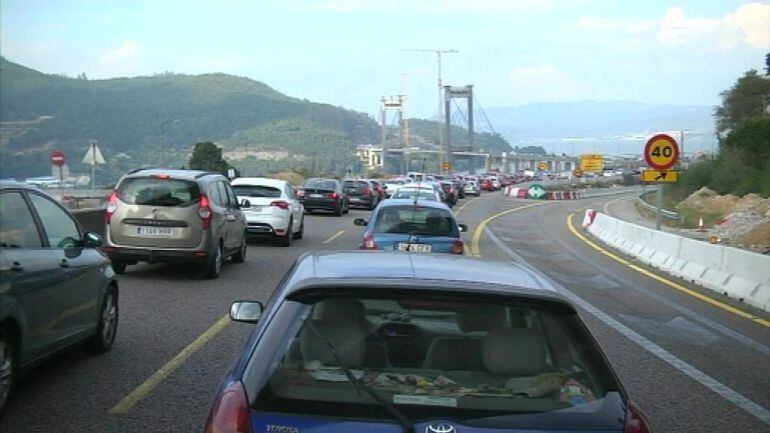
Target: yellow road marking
x,y
482,224
334,236
460,209
159,376
672,284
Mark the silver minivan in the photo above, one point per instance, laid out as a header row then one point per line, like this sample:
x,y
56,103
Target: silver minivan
x,y
160,215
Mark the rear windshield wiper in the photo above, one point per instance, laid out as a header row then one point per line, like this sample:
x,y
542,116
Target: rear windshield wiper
x,y
360,385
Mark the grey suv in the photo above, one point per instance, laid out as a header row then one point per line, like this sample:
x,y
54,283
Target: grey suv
x,y
159,215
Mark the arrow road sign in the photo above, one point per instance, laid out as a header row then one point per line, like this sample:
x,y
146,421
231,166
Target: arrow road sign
x,y
660,176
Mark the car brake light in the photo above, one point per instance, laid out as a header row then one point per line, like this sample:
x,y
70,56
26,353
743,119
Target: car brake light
x,y
636,422
333,195
112,206
367,191
281,204
230,412
458,247
159,176
204,212
369,243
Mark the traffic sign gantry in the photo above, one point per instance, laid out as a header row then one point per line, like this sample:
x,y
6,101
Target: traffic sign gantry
x,y
57,158
660,176
661,152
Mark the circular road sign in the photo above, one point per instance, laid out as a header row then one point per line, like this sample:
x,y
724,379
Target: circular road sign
x,y
543,165
577,172
57,158
536,192
445,166
661,152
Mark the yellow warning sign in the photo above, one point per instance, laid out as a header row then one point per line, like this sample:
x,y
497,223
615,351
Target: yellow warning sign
x,y
660,176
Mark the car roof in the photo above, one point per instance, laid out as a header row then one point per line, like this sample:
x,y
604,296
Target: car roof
x,y
266,181
15,184
174,173
410,202
427,271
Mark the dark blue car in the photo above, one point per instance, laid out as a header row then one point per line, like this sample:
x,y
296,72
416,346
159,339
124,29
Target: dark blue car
x,y
390,342
420,226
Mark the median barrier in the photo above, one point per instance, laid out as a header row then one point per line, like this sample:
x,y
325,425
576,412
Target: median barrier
x,y
740,274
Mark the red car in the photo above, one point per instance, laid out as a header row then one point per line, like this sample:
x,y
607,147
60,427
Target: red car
x,y
486,185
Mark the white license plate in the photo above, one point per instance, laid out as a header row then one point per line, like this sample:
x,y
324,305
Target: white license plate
x,y
415,248
155,231
355,199
316,195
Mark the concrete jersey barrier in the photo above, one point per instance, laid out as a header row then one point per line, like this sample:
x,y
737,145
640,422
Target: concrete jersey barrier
x,y
740,274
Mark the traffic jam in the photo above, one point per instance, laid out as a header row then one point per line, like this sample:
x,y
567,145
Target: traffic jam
x,y
401,331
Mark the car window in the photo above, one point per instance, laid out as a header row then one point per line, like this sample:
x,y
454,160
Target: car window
x,y
224,199
416,220
257,191
476,358
410,193
321,184
59,227
17,226
158,192
231,195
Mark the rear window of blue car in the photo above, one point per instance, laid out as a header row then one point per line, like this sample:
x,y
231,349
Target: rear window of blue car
x,y
488,363
416,220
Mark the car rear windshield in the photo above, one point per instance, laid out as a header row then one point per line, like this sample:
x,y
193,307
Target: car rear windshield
x,y
348,184
158,192
416,220
410,193
486,362
257,191
321,184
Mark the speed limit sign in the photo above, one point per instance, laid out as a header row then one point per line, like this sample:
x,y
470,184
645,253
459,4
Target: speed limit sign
x,y
661,152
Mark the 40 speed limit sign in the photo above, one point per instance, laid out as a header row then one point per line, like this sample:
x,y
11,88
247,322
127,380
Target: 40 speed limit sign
x,y
661,152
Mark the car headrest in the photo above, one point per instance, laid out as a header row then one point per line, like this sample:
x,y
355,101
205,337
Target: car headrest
x,y
515,352
339,310
348,338
481,318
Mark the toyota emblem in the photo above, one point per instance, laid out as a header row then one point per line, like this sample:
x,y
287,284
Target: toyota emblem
x,y
440,428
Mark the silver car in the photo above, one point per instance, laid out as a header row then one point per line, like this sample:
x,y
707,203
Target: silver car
x,y
158,215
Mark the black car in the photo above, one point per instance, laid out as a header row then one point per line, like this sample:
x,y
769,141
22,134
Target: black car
x,y
361,193
450,192
324,194
57,290
459,187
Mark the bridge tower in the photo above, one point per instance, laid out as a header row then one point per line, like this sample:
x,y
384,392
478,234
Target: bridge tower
x,y
458,151
391,104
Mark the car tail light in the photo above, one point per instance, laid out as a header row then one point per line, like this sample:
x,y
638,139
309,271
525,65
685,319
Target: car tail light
x,y
369,243
159,176
230,412
280,204
636,422
333,195
112,206
204,212
367,191
458,247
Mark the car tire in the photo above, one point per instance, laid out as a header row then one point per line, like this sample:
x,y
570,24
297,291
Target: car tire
x,y
285,240
339,211
108,324
214,265
119,267
240,256
9,364
301,231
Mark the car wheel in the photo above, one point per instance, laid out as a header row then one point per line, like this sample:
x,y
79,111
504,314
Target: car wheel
x,y
301,231
108,324
240,256
214,265
119,267
347,207
285,240
8,367
339,210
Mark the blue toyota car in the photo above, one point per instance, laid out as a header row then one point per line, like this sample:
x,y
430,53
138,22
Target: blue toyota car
x,y
390,342
420,226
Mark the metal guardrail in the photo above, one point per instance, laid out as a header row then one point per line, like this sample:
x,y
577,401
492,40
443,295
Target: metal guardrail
x,y
664,212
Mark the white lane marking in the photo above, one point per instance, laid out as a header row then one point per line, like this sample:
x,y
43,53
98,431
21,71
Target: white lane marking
x,y
704,379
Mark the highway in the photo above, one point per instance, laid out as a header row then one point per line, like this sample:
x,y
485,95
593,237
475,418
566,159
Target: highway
x,y
692,365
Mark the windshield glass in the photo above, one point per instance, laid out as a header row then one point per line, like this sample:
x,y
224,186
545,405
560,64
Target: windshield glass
x,y
158,192
416,220
257,191
475,360
410,193
321,184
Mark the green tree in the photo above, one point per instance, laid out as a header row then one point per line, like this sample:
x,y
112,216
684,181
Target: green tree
x,y
208,156
751,140
746,99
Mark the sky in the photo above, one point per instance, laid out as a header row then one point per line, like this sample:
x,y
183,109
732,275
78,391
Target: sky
x,y
352,52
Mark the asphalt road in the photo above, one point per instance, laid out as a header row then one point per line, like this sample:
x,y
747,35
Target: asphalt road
x,y
668,348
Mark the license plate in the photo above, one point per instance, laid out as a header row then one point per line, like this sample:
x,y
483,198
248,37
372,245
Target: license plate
x,y
155,231
355,199
316,195
414,248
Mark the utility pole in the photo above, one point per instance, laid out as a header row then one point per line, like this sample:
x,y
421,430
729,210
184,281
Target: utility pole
x,y
438,52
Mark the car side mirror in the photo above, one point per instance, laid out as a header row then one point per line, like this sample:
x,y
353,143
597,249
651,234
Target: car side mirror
x,y
246,311
463,228
92,240
245,203
360,222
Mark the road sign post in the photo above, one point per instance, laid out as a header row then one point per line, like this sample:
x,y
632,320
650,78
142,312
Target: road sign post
x,y
57,159
661,153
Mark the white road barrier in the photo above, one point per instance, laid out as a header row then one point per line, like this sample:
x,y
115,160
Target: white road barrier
x,y
740,274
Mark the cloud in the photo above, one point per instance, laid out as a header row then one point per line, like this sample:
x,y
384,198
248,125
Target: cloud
x,y
427,6
545,83
748,25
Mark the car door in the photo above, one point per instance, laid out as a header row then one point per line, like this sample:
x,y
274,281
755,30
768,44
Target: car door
x,y
80,293
295,206
31,278
236,222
